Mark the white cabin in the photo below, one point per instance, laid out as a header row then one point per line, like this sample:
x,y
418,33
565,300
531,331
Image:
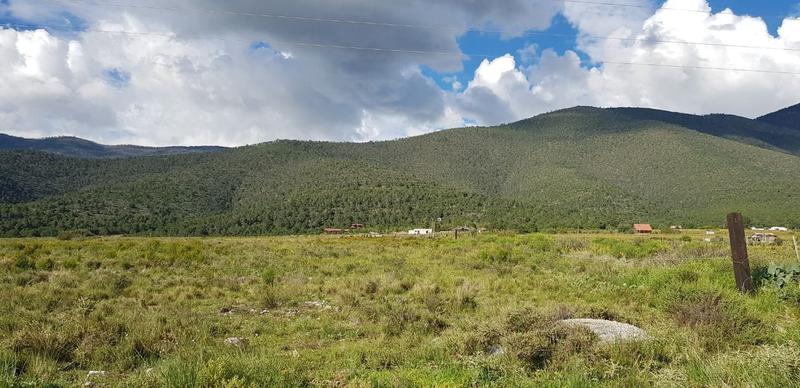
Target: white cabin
x,y
417,232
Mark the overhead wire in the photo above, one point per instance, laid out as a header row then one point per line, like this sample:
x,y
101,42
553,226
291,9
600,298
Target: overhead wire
x,y
648,40
386,50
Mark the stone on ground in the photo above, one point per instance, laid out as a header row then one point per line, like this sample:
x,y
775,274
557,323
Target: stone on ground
x,y
609,331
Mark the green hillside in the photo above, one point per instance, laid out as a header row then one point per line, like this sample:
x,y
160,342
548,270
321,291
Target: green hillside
x,y
788,118
73,146
576,168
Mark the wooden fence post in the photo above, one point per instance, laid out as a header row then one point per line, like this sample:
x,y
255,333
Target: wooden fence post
x,y
741,262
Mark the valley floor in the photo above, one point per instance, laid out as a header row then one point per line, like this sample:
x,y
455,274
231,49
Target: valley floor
x,y
330,311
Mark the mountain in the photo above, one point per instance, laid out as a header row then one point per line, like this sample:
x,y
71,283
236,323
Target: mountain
x,y
787,118
76,147
576,168
762,133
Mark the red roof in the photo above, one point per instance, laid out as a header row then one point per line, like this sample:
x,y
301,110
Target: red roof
x,y
642,227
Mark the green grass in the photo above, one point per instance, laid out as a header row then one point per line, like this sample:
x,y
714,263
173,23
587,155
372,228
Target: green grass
x,y
390,312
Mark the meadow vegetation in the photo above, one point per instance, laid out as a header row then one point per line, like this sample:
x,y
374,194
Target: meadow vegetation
x,y
328,311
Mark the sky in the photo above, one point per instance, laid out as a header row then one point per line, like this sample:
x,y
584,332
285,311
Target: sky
x,y
202,72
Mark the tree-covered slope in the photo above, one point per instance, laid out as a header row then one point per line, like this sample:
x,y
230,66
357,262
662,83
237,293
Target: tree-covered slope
x,y
73,146
787,118
763,133
577,168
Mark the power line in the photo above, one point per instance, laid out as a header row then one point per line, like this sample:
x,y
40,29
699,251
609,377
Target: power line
x,y
392,50
583,2
433,27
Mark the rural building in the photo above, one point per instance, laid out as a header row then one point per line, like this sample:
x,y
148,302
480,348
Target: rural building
x,y
763,238
642,228
710,232
332,231
357,226
779,229
417,232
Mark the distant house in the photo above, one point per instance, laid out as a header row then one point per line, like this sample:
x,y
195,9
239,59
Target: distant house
x,y
710,232
676,227
417,232
763,238
756,228
332,231
779,229
357,226
642,228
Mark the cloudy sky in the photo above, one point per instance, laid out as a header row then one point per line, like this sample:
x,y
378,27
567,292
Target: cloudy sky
x,y
188,72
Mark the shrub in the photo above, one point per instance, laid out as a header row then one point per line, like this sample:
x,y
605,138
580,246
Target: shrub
x,y
776,275
268,277
24,263
45,264
720,323
498,255
534,338
626,249
56,344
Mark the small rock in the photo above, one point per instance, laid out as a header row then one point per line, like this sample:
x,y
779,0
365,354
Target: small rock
x,y
609,331
316,304
96,373
235,341
496,350
264,312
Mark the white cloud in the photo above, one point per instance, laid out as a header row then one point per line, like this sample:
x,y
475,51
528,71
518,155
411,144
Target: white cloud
x,y
203,80
561,81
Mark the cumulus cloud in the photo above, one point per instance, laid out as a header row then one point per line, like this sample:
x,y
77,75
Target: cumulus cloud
x,y
559,81
208,76
188,73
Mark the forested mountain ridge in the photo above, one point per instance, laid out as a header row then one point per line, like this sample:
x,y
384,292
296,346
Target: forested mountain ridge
x,y
575,168
788,118
73,146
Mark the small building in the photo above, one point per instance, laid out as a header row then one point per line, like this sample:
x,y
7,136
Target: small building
x,y
642,228
710,232
755,228
676,227
779,229
332,231
763,238
418,232
356,226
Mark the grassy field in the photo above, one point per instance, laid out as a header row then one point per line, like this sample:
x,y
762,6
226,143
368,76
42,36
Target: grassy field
x,y
391,311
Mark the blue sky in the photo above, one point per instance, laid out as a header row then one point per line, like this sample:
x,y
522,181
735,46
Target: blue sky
x,y
231,79
773,12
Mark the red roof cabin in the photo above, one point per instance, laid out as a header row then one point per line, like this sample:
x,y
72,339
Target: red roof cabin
x,y
357,226
333,231
642,228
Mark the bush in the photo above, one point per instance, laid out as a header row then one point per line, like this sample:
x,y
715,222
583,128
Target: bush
x,y
45,264
625,249
24,263
534,338
268,277
719,322
498,255
776,275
